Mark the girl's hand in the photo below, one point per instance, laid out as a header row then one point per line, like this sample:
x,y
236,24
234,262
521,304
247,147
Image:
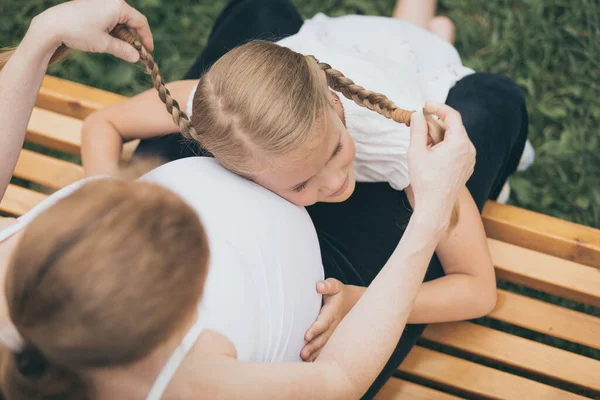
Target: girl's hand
x,y
438,173
333,311
85,25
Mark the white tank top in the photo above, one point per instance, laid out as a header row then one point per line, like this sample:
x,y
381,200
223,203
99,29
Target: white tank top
x,y
265,259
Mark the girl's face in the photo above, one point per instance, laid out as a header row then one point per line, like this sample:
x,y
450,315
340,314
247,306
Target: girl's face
x,y
324,174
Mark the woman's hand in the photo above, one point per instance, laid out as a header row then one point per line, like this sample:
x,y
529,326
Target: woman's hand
x,y
333,311
438,173
85,25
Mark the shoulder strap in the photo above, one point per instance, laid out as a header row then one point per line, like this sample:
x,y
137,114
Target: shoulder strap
x,y
174,362
26,219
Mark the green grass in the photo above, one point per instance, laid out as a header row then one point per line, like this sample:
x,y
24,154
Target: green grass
x,y
550,47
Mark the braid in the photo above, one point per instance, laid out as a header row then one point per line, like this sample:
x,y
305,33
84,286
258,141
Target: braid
x,y
382,105
179,117
375,101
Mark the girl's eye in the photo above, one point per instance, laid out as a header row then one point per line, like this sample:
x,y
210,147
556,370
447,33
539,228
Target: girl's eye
x,y
300,187
337,149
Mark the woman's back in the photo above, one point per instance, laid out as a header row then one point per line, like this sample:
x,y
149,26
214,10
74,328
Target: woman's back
x,y
265,260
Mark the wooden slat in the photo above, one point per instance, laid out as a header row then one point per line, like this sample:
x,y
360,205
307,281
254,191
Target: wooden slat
x,y
47,171
542,233
55,131
73,99
476,379
517,352
17,200
546,273
62,133
547,318
398,389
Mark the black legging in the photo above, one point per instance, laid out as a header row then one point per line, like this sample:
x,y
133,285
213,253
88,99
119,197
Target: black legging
x,y
358,236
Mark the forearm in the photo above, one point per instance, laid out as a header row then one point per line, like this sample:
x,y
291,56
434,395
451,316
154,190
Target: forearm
x,y
455,297
20,81
101,146
383,309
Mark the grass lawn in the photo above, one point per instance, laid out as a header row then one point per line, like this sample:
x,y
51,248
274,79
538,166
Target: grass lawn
x,y
550,47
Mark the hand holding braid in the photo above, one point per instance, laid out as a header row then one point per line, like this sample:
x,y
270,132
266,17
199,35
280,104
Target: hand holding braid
x,y
179,117
375,101
382,105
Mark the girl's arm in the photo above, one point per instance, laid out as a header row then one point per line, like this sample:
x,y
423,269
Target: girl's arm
x,y
467,291
142,116
82,25
469,288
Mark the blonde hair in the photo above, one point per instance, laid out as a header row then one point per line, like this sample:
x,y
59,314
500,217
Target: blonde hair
x,y
245,124
100,279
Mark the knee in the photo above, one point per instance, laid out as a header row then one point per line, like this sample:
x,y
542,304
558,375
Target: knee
x,y
497,100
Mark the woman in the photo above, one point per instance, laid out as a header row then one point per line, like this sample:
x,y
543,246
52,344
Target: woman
x,y
103,245
358,235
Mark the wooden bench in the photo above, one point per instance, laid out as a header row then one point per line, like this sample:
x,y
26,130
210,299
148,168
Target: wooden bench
x,y
464,359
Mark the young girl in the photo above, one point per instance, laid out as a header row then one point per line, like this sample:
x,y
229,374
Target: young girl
x,y
287,122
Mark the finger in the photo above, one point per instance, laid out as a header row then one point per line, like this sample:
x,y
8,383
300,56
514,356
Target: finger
x,y
315,345
451,118
314,355
418,132
122,50
329,287
322,323
439,121
136,20
440,109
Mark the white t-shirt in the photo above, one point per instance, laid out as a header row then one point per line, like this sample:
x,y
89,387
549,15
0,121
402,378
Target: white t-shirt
x,y
404,62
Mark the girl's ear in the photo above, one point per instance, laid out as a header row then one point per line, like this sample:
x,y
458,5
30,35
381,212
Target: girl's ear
x,y
333,97
337,106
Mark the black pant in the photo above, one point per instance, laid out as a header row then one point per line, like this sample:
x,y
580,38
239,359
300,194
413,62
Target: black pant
x,y
358,236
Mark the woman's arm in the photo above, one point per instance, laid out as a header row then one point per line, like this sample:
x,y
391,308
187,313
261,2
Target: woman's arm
x,y
82,25
143,116
20,80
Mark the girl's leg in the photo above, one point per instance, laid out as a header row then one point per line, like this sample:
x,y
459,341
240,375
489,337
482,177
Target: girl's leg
x,y
442,27
417,12
245,20
240,22
359,235
422,14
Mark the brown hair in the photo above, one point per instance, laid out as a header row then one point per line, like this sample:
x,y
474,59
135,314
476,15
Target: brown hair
x,y
88,284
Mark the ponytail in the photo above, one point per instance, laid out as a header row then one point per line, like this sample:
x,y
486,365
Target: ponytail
x,y
382,105
28,375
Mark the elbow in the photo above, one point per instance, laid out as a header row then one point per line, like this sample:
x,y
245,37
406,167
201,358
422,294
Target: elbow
x,y
342,386
87,129
486,300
